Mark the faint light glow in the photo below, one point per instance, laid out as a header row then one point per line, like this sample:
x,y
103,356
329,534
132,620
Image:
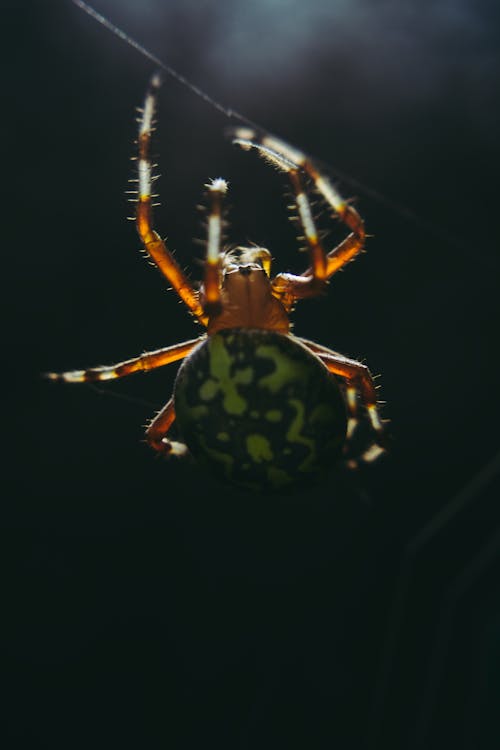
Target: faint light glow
x,y
402,49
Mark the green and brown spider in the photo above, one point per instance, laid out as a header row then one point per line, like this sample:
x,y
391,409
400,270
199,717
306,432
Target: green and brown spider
x,y
259,406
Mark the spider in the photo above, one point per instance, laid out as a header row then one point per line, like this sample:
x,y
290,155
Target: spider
x,y
258,406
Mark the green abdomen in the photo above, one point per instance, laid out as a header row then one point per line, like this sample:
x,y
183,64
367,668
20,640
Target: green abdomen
x,y
259,409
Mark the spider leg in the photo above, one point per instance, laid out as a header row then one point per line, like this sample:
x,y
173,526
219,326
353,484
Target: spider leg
x,y
153,244
143,363
286,286
323,265
157,430
210,294
359,386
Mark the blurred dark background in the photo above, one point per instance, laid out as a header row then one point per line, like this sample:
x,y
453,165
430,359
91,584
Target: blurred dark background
x,y
145,604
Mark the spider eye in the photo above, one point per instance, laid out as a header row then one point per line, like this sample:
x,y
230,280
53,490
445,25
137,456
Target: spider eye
x,y
258,257
247,269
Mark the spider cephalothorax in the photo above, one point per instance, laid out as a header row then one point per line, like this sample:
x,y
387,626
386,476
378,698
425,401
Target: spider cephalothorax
x,y
257,405
245,295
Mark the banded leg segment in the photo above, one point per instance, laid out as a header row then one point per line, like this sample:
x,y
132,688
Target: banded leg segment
x,y
157,431
290,160
143,363
153,244
359,381
318,270
355,241
286,286
351,393
212,282
359,384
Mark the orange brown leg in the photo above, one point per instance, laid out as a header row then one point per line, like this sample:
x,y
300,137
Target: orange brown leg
x,y
211,297
158,429
359,385
143,363
318,270
153,244
323,265
355,241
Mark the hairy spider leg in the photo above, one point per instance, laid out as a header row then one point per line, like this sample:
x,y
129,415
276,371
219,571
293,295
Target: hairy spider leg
x,y
212,282
154,246
351,392
158,428
316,250
288,159
289,287
143,363
359,384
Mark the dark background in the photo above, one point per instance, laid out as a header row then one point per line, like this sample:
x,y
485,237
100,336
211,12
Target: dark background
x,y
144,603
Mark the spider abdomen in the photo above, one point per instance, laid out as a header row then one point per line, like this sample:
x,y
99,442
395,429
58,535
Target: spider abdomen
x,y
259,409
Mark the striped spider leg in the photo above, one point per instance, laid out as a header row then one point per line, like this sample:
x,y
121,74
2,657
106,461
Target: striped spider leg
x,y
156,433
289,287
359,387
154,246
294,163
168,266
